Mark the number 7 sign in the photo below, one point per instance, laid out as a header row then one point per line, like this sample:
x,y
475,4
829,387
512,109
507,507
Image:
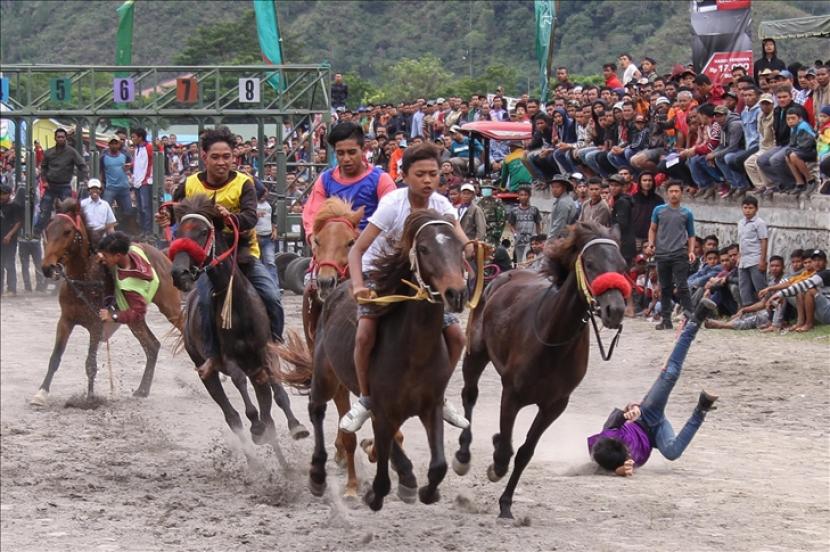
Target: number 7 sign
x,y
187,90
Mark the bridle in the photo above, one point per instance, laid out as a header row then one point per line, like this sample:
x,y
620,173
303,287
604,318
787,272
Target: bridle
x,y
589,291
342,270
415,266
78,237
201,254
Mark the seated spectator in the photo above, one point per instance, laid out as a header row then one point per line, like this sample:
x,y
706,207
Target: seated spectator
x,y
704,175
723,286
773,163
812,295
758,314
731,143
514,173
800,151
708,270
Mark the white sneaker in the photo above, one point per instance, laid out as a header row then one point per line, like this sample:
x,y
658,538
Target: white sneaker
x,y
354,419
453,417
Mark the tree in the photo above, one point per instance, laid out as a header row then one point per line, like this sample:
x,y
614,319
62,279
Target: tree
x,y
411,78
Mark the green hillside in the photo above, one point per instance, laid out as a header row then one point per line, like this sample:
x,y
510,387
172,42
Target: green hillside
x,y
366,38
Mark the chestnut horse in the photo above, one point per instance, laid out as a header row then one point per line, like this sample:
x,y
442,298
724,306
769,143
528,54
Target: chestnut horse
x,y
409,366
534,328
69,254
240,319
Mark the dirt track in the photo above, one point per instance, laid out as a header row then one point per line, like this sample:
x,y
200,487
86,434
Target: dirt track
x,y
165,473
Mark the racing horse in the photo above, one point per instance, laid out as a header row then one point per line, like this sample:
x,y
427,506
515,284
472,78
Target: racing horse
x,y
240,318
70,255
533,326
409,366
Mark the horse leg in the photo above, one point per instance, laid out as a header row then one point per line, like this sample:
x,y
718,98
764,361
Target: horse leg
x,y
380,486
433,421
474,364
264,431
151,348
317,473
240,381
92,358
546,415
346,443
407,483
64,330
297,429
503,441
217,393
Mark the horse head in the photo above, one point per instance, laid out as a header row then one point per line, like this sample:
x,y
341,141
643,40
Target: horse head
x,y
66,236
593,255
436,257
199,227
335,231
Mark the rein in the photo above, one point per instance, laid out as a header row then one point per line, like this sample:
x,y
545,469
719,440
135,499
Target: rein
x,y
587,291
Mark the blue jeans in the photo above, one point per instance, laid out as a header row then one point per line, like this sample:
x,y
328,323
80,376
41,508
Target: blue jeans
x,y
773,163
267,253
590,159
121,196
703,174
653,407
736,179
268,291
144,205
53,192
563,159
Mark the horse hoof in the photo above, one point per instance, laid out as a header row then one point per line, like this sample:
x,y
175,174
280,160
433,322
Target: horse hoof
x,y
492,475
350,494
317,489
374,502
299,432
258,434
407,494
368,446
461,468
40,398
505,516
141,393
428,497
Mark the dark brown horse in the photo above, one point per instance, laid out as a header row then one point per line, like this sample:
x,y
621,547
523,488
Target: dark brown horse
x,y
534,328
69,254
409,367
244,335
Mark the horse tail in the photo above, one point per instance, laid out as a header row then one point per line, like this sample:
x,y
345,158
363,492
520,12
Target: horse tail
x,y
296,352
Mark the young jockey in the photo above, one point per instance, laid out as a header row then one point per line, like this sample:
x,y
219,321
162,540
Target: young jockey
x,y
420,168
134,278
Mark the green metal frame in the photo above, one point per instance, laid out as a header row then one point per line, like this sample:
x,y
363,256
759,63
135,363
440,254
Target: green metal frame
x,y
300,93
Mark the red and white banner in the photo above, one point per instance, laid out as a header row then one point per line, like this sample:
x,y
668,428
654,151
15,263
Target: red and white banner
x,y
721,36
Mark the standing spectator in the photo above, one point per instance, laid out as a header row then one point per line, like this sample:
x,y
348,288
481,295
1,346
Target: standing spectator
x,y
752,239
821,93
769,60
29,248
622,209
630,71
143,179
672,234
267,233
57,168
113,168
494,214
524,221
644,200
339,92
595,209
11,219
563,210
470,215
609,71
97,212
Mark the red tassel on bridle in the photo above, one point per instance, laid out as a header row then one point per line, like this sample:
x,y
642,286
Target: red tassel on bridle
x,y
608,281
189,246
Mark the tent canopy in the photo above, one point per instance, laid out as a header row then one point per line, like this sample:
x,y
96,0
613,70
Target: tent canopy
x,y
800,27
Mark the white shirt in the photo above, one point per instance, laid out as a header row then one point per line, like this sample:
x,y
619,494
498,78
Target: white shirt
x,y
629,73
140,164
97,213
390,217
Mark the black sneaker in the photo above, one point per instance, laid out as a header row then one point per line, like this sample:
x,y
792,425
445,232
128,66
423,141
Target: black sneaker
x,y
705,308
706,402
664,325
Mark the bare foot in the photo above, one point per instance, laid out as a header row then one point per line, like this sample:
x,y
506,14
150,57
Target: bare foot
x,y
804,328
768,329
207,369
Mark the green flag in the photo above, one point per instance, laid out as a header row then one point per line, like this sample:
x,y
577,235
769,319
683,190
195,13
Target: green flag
x,y
268,33
545,16
124,37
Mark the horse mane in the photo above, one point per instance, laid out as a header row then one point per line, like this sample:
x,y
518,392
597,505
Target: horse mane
x,y
394,266
198,204
561,252
334,207
71,206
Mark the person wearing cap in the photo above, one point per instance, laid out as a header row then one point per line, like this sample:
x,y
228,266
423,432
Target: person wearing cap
x,y
97,212
114,163
731,142
11,220
563,210
769,60
659,132
57,169
812,294
470,215
514,173
706,92
766,141
773,163
494,214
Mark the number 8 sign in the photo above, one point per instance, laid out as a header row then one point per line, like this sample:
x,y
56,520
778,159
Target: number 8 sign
x,y
249,90
123,90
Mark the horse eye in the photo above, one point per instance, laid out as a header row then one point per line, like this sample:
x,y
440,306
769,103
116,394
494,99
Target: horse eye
x,y
67,232
423,249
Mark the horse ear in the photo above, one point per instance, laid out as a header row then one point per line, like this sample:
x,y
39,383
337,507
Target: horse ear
x,y
615,233
357,216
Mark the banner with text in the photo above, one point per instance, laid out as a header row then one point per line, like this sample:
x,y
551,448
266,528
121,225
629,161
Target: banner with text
x,y
721,37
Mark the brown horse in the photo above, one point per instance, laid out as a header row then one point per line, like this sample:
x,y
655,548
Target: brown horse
x,y
244,334
534,328
69,254
409,367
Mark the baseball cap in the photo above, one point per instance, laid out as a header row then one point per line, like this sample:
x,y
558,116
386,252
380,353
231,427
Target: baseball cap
x,y
616,178
115,138
786,74
340,109
578,177
721,110
766,98
618,105
642,81
662,100
766,72
455,128
468,187
818,253
561,178
93,183
811,72
440,100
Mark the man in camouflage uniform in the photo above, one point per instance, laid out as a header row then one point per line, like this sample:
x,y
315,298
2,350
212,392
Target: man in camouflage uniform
x,y
494,214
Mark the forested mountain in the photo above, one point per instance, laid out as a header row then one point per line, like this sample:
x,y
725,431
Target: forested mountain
x,y
452,40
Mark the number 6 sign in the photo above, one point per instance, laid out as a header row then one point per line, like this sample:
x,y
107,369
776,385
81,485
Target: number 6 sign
x,y
123,90
249,90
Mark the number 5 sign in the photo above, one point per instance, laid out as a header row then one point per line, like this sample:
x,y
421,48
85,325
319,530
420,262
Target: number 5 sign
x,y
60,89
249,90
123,90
